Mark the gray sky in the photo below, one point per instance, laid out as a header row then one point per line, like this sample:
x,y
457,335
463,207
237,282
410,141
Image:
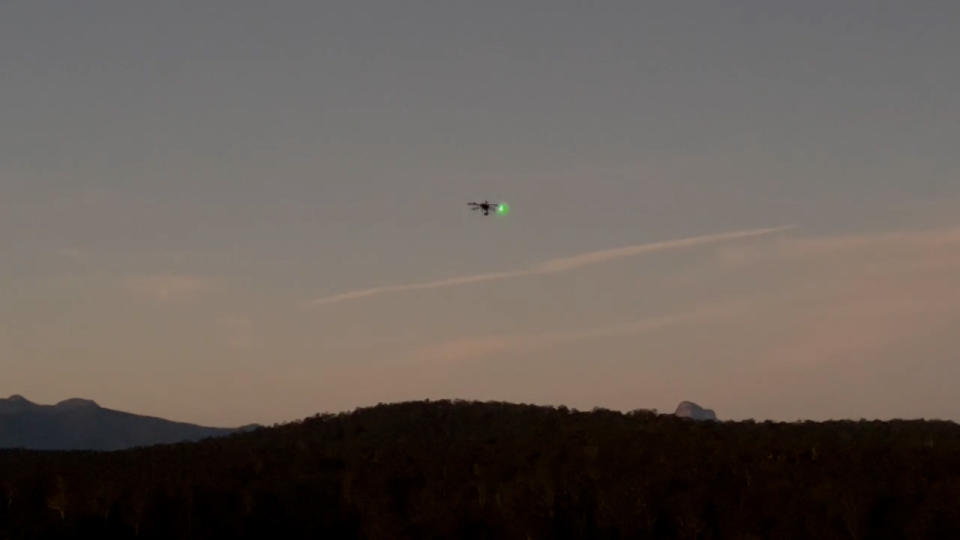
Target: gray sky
x,y
225,212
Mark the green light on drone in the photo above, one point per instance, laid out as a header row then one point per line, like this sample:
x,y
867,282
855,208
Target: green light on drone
x,y
503,209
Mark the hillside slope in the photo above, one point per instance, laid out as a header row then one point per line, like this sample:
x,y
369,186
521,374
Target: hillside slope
x,y
496,470
80,424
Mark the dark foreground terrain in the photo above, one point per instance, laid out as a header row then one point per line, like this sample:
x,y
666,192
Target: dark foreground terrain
x,y
495,470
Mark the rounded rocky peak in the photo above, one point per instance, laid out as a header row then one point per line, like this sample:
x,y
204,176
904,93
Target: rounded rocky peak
x,y
689,409
77,403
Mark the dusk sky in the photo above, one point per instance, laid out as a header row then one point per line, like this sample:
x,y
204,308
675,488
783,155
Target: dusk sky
x,y
234,212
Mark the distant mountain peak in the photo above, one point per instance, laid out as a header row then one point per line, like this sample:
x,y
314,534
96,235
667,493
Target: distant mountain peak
x,y
689,409
15,403
77,403
82,424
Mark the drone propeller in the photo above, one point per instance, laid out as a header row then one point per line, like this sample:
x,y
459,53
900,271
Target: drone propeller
x,y
500,208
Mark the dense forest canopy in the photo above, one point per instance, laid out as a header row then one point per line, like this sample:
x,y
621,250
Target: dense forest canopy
x,y
484,470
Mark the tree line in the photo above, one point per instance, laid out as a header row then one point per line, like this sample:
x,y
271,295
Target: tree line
x,y
457,469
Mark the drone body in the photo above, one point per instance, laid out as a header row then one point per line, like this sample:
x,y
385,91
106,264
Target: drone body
x,y
486,207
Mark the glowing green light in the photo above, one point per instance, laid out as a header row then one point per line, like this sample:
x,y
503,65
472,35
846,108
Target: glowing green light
x,y
503,208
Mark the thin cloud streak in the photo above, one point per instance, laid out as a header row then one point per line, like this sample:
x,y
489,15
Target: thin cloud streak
x,y
163,288
562,264
475,347
466,348
837,316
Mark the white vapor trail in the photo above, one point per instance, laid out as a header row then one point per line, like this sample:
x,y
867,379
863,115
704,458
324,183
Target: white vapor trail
x,y
561,264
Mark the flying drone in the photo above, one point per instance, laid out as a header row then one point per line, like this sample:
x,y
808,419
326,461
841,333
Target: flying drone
x,y
486,207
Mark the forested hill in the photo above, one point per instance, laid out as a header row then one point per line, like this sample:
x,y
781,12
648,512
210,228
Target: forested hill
x,y
495,470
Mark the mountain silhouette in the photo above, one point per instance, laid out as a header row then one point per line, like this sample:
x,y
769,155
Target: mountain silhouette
x,y
456,469
81,424
689,409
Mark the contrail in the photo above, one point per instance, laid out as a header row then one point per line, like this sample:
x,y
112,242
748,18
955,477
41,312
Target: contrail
x,y
552,266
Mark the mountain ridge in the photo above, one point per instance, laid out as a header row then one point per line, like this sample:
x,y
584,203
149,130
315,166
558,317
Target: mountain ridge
x,y
82,424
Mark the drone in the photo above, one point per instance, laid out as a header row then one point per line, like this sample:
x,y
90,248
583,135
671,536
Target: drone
x,y
487,207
